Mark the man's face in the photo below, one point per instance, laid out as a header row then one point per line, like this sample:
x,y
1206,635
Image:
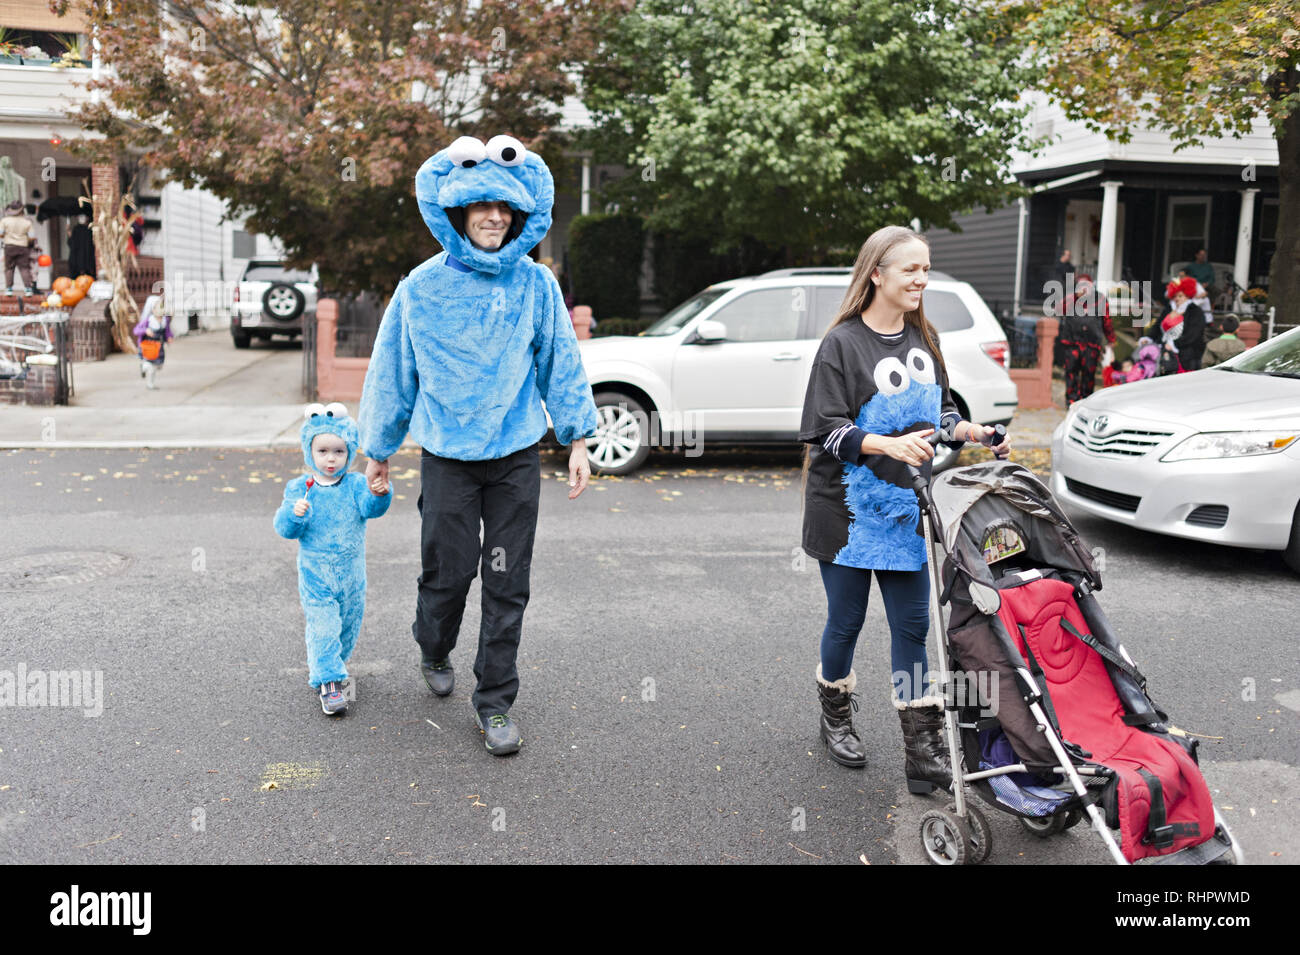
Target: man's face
x,y
1200,256
486,224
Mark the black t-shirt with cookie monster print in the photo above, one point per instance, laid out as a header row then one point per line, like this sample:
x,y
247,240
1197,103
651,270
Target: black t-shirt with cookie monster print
x,y
860,510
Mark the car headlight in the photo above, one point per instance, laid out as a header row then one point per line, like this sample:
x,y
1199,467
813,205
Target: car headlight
x,y
1230,444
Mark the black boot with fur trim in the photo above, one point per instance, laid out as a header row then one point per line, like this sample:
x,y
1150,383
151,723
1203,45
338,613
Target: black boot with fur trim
x,y
927,765
838,703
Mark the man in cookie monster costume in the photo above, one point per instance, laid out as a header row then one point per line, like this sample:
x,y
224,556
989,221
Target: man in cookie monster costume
x,y
472,343
331,535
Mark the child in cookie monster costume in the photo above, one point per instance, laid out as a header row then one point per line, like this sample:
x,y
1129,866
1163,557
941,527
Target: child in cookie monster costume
x,y
877,389
326,511
472,343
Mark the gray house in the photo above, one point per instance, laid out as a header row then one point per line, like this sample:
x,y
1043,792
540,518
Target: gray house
x,y
1129,214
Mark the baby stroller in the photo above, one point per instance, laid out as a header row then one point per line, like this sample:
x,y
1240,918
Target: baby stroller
x,y
1047,717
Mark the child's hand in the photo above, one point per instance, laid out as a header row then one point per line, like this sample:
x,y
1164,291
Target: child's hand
x,y
379,487
300,508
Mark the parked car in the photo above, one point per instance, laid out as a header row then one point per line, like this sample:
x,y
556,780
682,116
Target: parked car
x,y
731,365
271,299
1211,455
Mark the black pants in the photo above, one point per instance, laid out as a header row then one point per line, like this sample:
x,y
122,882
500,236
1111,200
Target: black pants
x,y
454,497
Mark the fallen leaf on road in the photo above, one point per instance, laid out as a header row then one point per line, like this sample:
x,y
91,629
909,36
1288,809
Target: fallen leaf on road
x,y
270,785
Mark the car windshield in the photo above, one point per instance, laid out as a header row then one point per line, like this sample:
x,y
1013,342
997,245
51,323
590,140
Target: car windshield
x,y
275,273
1280,357
683,313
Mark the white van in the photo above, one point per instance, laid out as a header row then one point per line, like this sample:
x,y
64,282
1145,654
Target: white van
x,y
730,365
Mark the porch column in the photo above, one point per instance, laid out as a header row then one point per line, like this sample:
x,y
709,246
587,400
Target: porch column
x,y
1106,248
1245,225
586,185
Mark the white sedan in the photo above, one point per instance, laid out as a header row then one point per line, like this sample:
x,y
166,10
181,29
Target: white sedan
x,y
1212,455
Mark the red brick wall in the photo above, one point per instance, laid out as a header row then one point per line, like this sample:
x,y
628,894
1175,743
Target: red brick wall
x,y
38,388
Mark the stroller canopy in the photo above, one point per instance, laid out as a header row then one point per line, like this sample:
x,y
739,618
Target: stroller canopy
x,y
973,503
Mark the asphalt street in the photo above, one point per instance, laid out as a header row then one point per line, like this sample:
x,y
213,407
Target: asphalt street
x,y
668,705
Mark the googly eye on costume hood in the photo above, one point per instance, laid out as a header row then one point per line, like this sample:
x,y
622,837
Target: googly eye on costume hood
x,y
504,171
332,418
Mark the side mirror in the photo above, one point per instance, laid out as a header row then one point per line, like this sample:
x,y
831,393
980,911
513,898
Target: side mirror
x,y
710,331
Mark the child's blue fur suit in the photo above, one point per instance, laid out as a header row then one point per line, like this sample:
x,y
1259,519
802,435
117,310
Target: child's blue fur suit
x,y
331,547
465,356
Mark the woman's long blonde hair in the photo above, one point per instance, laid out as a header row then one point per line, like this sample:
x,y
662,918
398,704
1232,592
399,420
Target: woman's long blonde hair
x,y
877,253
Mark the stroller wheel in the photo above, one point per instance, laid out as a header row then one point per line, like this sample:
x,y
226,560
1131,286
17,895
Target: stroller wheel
x,y
945,837
981,836
1045,827
1073,818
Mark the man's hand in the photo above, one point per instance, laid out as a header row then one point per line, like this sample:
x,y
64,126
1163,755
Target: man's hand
x,y
377,477
579,469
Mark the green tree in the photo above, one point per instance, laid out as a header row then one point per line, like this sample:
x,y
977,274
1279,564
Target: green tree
x,y
1198,69
806,124
312,116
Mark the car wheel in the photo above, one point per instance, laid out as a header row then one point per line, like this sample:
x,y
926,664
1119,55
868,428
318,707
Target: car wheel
x,y
242,339
284,302
1292,553
620,445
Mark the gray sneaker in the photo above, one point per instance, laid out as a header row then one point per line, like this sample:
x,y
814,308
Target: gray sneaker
x,y
332,702
500,733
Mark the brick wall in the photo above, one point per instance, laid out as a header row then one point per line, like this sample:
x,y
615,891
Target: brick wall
x,y
38,388
104,180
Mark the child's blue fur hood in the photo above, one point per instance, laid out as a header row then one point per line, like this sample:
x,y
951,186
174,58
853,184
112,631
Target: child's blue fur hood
x,y
501,170
328,419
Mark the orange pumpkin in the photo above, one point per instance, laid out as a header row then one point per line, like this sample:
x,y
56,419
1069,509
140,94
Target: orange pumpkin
x,y
72,296
61,284
44,260
84,282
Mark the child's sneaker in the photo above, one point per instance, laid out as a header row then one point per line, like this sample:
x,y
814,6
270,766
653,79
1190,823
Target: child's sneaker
x,y
332,702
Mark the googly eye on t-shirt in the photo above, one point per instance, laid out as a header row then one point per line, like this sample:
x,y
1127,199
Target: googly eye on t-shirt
x,y
891,376
920,364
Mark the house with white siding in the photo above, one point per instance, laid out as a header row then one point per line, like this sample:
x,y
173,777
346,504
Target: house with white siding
x,y
187,243
1130,213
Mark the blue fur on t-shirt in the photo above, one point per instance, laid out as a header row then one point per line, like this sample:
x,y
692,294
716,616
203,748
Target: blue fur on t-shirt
x,y
882,533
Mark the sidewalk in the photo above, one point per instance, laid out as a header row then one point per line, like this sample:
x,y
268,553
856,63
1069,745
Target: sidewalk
x,y
210,395
213,395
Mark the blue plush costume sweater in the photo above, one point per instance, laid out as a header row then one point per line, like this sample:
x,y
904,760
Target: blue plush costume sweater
x,y
464,359
860,510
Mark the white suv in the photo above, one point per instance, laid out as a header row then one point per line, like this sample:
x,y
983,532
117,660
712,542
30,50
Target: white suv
x,y
730,365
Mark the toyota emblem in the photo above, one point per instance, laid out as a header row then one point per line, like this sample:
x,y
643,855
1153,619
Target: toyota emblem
x,y
1099,423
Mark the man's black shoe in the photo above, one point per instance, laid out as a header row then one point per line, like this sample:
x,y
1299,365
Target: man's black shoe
x,y
439,675
500,733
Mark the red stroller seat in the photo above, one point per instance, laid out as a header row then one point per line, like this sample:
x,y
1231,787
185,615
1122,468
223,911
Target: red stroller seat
x,y
1163,803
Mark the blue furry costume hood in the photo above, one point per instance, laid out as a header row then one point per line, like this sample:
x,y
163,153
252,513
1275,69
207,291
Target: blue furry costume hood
x,y
328,419
473,341
500,171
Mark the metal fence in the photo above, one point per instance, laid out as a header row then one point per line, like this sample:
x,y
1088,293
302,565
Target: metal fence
x,y
36,332
309,356
359,318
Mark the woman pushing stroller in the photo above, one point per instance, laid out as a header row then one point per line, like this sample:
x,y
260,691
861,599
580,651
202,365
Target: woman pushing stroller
x,y
878,388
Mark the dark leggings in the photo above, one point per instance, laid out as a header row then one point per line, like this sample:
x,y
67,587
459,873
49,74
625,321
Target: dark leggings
x,y
907,606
